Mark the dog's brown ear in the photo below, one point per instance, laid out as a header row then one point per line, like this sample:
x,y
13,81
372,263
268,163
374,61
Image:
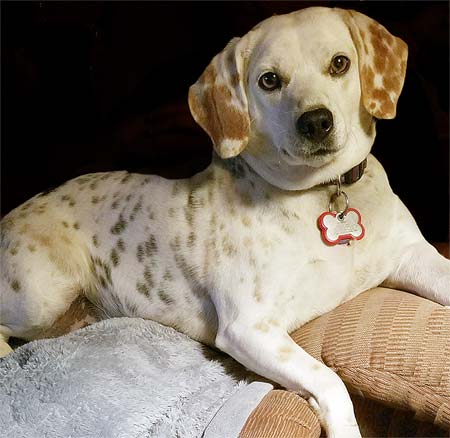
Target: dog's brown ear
x,y
382,63
218,101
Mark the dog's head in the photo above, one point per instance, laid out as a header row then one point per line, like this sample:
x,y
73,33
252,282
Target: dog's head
x,y
299,94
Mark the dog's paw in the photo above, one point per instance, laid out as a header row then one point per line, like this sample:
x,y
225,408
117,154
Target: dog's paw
x,y
347,431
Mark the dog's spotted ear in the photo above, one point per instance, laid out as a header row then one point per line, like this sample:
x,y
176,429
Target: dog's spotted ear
x,y
382,63
218,101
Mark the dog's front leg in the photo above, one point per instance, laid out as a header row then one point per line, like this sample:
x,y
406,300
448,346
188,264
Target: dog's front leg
x,y
269,351
422,270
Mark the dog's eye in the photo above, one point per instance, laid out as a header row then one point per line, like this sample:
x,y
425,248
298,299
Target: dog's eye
x,y
339,65
269,81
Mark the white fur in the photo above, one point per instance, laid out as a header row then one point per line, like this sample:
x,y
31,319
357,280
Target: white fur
x,y
233,256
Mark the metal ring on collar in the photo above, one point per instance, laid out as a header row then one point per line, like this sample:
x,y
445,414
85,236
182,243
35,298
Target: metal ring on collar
x,y
334,198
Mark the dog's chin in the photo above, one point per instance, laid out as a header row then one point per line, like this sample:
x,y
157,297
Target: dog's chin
x,y
317,158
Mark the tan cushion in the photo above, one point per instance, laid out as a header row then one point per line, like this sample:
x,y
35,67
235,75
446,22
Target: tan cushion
x,y
390,346
281,414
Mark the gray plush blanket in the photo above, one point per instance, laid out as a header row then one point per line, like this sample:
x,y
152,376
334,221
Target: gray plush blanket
x,y
123,377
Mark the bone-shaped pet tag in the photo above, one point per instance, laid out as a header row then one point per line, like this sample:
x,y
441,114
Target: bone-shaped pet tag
x,y
339,228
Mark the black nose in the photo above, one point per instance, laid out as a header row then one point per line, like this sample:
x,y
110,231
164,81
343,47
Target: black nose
x,y
315,125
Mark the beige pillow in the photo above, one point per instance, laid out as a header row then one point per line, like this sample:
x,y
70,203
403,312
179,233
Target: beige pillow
x,y
392,348
389,346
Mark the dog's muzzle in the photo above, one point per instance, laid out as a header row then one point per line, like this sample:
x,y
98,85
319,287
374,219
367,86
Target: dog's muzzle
x,y
315,125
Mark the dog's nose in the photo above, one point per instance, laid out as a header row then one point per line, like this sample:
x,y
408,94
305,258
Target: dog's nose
x,y
315,125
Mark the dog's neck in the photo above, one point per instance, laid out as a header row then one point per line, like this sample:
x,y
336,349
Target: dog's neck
x,y
238,166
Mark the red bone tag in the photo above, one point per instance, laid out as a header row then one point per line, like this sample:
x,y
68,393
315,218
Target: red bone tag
x,y
339,228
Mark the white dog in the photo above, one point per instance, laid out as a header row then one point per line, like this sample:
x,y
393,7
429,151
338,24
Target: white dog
x,y
264,239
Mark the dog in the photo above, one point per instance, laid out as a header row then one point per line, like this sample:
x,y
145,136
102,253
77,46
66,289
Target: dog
x,y
293,217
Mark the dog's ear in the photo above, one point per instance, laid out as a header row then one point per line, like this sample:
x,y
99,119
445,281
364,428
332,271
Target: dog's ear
x,y
218,101
382,63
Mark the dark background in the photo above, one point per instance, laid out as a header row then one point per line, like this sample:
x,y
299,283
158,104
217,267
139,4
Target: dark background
x,y
95,86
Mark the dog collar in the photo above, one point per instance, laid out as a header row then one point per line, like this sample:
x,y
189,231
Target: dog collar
x,y
354,174
342,226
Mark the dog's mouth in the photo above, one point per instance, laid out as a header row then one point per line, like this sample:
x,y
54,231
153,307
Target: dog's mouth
x,y
315,158
321,152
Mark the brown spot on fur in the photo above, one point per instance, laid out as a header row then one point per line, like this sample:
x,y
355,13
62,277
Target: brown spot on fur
x,y
15,285
265,242
81,313
246,199
125,179
262,326
246,221
148,277
76,225
95,240
102,281
119,226
189,215
287,229
257,294
121,245
65,224
131,308
24,228
285,353
107,270
191,239
168,276
143,289
228,248
31,247
115,259
136,209
140,253
150,246
165,297
69,199
42,239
